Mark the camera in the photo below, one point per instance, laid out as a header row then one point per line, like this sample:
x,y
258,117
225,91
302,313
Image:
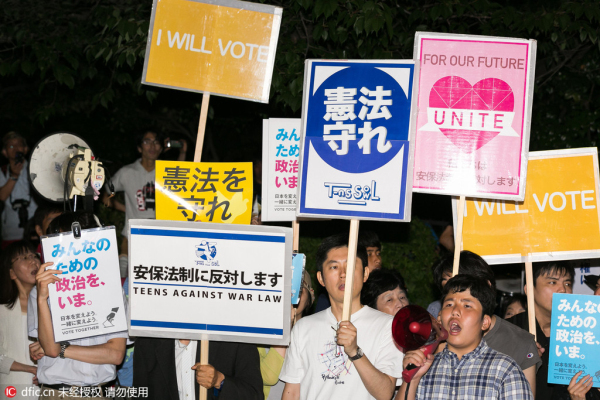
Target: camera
x,y
20,206
174,144
19,157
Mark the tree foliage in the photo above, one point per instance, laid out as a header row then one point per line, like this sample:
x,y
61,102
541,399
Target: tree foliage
x,y
566,99
68,60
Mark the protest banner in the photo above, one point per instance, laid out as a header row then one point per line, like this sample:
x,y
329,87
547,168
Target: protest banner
x,y
574,338
88,299
191,280
281,152
222,47
205,192
475,98
298,265
559,219
356,143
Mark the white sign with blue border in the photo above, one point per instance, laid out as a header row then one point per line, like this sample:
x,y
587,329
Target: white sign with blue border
x,y
358,130
203,281
574,338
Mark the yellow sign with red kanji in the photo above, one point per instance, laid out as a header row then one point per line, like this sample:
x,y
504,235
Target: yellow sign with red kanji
x,y
558,220
221,47
204,192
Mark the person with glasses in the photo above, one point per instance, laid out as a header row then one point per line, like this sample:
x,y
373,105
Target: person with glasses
x,y
136,180
15,190
18,266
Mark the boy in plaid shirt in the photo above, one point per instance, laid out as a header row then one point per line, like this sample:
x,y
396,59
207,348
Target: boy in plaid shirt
x,y
467,368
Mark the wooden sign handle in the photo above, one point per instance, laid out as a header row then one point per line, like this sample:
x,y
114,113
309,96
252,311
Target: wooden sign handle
x,y
530,299
202,393
201,126
296,230
459,233
350,264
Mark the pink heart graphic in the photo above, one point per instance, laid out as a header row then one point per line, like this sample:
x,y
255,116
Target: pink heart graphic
x,y
454,92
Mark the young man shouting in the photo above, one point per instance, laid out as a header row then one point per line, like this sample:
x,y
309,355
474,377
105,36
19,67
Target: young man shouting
x,y
329,359
467,368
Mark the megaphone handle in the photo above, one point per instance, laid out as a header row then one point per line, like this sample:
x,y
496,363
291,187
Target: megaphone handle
x,y
409,372
411,369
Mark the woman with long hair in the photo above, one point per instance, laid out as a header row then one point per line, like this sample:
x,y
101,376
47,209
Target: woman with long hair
x,y
19,264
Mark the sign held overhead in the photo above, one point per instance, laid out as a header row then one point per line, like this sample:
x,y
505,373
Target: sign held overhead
x,y
221,47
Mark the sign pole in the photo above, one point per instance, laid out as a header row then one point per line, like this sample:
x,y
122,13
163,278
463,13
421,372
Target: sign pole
x,y
203,393
459,234
201,126
530,299
350,264
296,228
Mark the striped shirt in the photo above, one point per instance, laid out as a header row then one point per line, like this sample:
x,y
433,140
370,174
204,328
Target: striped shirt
x,y
483,373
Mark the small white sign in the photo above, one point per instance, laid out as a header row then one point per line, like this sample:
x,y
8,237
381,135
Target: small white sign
x,y
281,154
88,300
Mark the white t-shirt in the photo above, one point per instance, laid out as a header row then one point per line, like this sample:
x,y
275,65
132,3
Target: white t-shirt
x,y
10,217
322,368
138,185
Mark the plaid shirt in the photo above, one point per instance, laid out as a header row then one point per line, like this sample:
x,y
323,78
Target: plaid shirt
x,y
483,373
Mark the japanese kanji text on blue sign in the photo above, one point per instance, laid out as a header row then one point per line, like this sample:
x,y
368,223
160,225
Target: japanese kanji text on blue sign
x,y
210,281
357,152
574,338
88,300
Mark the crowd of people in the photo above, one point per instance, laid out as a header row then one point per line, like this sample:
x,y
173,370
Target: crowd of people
x,y
486,355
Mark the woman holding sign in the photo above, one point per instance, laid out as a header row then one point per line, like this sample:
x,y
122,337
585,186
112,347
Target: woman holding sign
x,y
18,267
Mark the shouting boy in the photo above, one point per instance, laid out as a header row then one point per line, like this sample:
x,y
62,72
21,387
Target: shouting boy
x,y
467,368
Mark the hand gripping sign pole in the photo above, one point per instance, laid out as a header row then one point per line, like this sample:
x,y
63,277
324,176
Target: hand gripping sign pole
x,y
350,264
458,239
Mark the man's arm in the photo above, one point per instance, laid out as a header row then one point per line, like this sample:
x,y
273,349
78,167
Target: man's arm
x,y
45,329
291,391
514,385
112,202
379,385
416,357
111,352
7,189
530,376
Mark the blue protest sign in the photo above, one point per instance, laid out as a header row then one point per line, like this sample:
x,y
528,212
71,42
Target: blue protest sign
x,y
357,122
298,263
574,338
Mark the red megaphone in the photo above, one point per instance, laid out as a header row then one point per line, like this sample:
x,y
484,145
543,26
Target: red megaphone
x,y
414,328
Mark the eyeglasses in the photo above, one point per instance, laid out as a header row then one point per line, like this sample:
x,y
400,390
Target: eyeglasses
x,y
148,142
26,257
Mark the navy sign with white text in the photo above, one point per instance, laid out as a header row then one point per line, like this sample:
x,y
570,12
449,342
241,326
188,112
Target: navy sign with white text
x,y
357,142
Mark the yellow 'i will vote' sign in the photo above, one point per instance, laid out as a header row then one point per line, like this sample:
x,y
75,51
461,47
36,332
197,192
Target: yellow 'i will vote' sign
x,y
558,220
223,47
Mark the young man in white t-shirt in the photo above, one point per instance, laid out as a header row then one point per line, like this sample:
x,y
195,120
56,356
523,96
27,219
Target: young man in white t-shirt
x,y
329,359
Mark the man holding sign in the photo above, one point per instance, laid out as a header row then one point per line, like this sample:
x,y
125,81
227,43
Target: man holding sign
x,y
354,359
548,278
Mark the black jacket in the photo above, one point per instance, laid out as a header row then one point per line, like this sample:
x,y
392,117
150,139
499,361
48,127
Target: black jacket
x,y
154,368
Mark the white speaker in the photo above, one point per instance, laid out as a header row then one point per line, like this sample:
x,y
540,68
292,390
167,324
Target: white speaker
x,y
49,159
